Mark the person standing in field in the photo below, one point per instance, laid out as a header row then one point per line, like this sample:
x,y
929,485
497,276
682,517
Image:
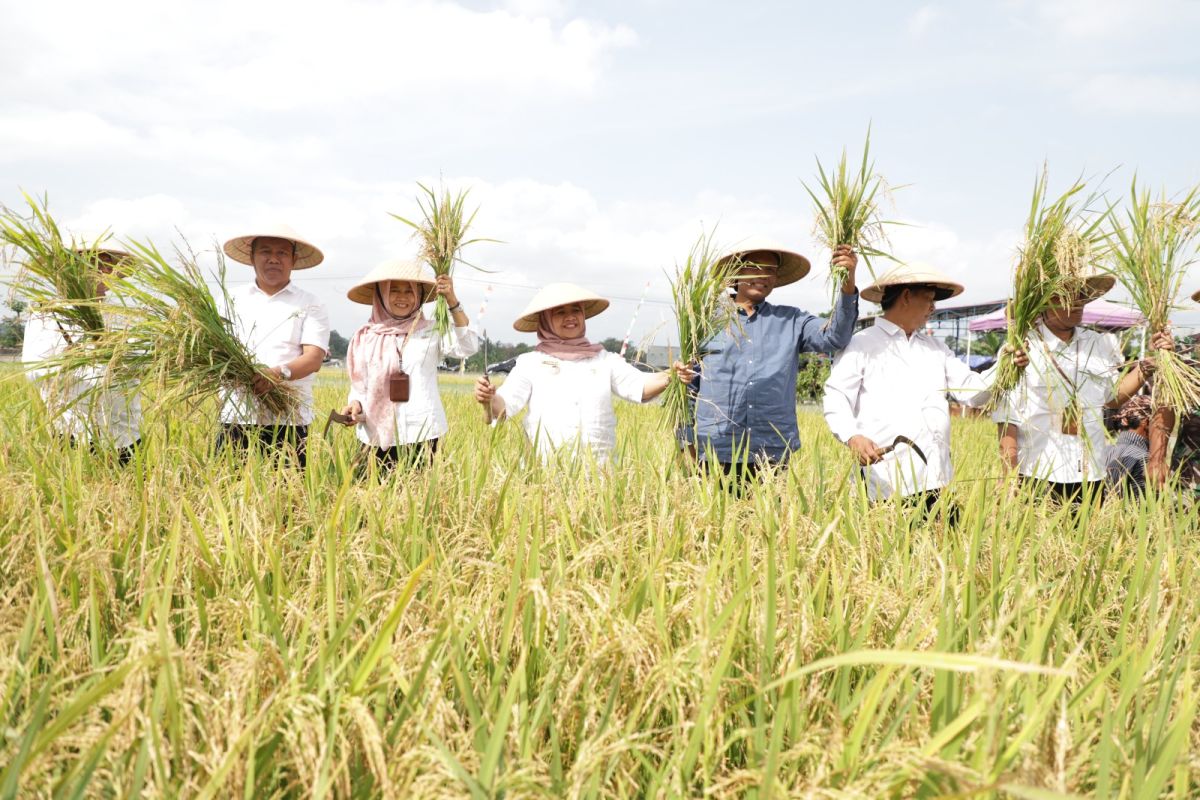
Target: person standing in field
x,y
886,396
286,328
746,397
1125,464
567,382
85,409
1185,459
1051,427
393,360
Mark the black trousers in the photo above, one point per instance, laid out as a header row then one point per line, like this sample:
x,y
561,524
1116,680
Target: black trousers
x,y
408,456
287,440
124,454
1072,493
737,476
925,502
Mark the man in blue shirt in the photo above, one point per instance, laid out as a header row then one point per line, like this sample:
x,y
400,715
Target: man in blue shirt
x,y
746,403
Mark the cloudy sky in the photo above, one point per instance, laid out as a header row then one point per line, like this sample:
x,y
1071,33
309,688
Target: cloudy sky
x,y
599,140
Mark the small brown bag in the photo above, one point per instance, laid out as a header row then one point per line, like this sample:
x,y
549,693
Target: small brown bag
x,y
398,387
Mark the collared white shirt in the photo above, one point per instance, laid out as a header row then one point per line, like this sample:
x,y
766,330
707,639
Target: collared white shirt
x,y
887,384
1092,362
570,402
111,416
275,327
422,417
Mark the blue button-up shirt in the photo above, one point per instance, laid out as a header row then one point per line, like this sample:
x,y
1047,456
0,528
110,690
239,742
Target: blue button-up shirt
x,y
747,398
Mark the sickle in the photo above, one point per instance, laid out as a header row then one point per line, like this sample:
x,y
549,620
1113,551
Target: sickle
x,y
905,440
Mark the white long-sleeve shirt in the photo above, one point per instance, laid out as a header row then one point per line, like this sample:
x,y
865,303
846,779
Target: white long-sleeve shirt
x,y
276,327
570,402
887,384
1091,361
110,416
422,417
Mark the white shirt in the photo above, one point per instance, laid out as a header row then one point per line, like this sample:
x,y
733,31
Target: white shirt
x,y
275,327
111,416
570,402
422,417
1092,362
887,384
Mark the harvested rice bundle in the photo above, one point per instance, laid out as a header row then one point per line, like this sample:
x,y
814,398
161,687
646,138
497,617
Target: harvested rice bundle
x,y
846,211
180,338
703,308
442,232
1152,251
1064,242
58,277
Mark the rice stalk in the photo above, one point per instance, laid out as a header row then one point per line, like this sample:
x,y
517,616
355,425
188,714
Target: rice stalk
x,y
442,232
58,277
703,308
1063,244
1151,254
846,211
179,338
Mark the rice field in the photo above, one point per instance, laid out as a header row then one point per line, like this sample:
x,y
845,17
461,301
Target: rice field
x,y
189,627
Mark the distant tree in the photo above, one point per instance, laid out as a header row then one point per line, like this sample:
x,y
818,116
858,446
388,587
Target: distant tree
x,y
12,330
337,345
611,344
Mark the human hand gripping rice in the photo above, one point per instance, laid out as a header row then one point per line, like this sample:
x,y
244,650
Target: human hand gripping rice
x,y
1063,243
442,232
847,217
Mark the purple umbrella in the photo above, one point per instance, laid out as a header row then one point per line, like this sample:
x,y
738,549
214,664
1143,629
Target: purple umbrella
x,y
1099,313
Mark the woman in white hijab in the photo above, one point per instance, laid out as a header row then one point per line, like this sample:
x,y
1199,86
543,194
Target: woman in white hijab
x,y
393,359
568,382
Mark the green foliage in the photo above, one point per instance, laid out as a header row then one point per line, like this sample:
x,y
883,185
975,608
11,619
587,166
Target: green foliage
x,y
337,345
814,371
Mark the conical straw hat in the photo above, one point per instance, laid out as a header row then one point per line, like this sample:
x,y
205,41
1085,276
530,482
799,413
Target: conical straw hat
x,y
554,295
914,273
396,269
792,265
307,254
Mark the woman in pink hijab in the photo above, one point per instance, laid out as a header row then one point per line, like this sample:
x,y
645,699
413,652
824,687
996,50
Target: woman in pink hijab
x,y
393,359
568,382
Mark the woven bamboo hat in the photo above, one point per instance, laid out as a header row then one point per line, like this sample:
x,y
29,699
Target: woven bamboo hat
x,y
396,269
911,274
554,295
1095,285
792,265
307,254
100,244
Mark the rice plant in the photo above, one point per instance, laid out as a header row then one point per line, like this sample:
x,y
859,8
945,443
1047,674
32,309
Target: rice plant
x,y
58,276
1152,252
1064,243
195,627
846,211
442,232
179,338
703,309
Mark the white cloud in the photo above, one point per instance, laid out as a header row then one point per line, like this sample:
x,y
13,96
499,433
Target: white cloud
x,y
1118,19
1138,94
232,57
924,17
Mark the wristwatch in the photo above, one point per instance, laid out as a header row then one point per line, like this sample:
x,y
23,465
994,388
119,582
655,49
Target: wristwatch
x,y
285,371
